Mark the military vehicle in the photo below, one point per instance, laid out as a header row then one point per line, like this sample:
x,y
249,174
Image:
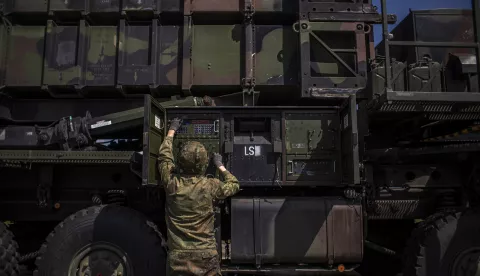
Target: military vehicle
x,y
349,157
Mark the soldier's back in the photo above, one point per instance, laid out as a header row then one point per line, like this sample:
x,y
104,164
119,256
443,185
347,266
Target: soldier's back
x,y
189,212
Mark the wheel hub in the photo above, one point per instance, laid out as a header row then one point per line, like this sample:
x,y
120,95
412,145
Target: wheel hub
x,y
467,263
100,259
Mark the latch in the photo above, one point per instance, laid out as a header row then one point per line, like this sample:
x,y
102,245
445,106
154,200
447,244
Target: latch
x,y
290,166
215,126
45,179
249,9
310,135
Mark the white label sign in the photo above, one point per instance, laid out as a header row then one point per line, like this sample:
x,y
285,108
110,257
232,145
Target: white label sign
x,y
101,124
253,150
2,134
298,146
157,122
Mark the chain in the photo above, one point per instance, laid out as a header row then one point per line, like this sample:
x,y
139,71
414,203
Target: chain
x,y
15,164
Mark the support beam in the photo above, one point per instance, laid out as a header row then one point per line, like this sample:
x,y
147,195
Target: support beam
x,y
386,39
476,26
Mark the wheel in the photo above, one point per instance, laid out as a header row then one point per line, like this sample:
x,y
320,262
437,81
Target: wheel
x,y
446,244
103,240
8,253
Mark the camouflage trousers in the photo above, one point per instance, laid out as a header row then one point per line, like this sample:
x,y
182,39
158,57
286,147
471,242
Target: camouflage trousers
x,y
198,263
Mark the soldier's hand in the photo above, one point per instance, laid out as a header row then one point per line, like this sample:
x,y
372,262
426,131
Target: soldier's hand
x,y
217,160
175,124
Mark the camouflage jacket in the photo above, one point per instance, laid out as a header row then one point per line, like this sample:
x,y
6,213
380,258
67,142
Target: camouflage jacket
x,y
189,203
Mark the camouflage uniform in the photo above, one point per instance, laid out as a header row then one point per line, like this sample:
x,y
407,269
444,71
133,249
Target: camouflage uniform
x,y
189,209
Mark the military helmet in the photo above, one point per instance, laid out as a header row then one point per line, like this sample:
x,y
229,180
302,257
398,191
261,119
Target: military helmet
x,y
193,158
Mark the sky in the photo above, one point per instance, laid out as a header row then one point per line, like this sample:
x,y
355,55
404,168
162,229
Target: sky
x,y
401,9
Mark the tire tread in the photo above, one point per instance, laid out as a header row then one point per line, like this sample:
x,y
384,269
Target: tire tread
x,y
9,256
135,217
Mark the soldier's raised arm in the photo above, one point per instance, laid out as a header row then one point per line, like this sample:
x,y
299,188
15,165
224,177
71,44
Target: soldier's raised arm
x,y
227,188
165,157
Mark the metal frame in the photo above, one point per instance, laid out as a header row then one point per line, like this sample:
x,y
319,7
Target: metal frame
x,y
248,79
388,43
154,131
346,113
437,104
358,11
336,16
144,73
327,84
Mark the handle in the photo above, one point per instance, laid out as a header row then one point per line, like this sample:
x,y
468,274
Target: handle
x,y
215,126
290,166
296,27
398,189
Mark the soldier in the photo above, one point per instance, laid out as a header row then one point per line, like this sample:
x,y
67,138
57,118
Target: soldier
x,y
189,206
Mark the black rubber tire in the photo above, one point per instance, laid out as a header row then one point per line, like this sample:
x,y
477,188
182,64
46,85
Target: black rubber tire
x,y
8,253
454,232
125,228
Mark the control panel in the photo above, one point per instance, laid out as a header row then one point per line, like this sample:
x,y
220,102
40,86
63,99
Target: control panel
x,y
198,128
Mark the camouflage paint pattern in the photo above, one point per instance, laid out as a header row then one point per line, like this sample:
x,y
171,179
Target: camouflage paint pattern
x,y
216,54
275,6
327,67
25,56
307,134
140,5
168,59
187,71
104,5
171,5
206,262
68,5
189,55
61,67
276,57
189,203
101,55
216,5
28,6
134,47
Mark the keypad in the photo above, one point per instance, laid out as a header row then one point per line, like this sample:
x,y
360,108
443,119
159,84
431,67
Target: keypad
x,y
203,129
